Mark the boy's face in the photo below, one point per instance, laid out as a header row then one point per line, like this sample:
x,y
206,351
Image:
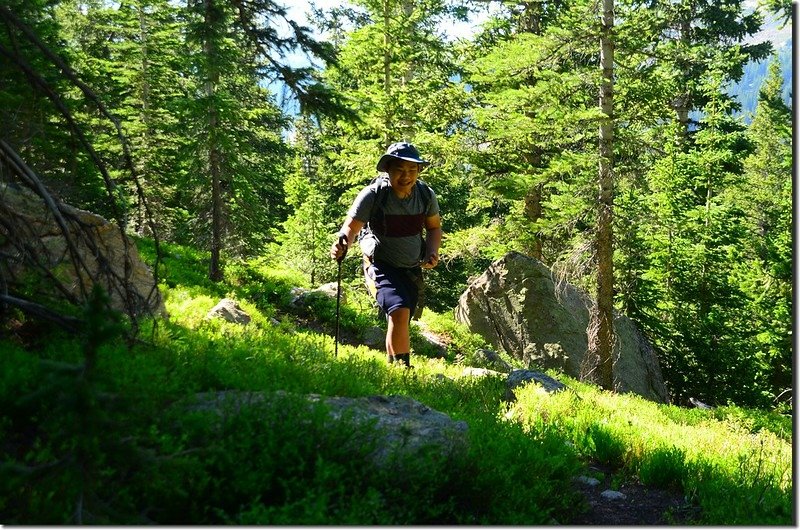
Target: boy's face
x,y
403,176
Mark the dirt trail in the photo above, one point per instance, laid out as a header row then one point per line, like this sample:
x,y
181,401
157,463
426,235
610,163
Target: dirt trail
x,y
642,505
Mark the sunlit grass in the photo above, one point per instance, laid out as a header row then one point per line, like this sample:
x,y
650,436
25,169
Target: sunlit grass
x,y
737,475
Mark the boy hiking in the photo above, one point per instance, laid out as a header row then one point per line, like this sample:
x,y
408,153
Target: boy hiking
x,y
394,210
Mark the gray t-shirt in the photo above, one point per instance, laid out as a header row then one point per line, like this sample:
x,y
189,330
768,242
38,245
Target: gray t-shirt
x,y
396,238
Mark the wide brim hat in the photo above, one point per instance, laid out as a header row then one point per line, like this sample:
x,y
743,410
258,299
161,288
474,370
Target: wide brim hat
x,y
401,151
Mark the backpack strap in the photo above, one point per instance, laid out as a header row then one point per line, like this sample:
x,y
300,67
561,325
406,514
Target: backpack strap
x,y
381,187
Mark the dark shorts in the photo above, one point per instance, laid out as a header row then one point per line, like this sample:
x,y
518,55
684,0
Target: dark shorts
x,y
393,287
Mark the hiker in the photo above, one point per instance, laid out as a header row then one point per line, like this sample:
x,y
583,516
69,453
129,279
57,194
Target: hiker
x,y
393,210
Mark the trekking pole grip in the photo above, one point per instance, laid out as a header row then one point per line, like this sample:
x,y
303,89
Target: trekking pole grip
x,y
343,242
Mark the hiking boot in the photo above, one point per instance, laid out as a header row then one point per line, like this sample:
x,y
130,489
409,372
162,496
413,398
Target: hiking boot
x,y
400,358
404,359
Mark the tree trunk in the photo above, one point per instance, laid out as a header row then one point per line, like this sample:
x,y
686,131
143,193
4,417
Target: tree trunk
x,y
601,340
683,102
387,72
141,214
533,211
531,18
212,80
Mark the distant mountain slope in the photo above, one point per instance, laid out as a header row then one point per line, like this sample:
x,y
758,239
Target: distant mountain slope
x,y
746,91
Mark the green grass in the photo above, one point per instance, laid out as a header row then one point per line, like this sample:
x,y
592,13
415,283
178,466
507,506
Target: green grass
x,y
116,444
736,470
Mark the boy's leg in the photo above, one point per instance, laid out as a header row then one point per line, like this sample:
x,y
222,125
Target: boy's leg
x,y
396,293
397,333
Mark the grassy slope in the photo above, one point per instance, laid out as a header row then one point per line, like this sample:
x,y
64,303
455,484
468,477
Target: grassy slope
x,y
112,444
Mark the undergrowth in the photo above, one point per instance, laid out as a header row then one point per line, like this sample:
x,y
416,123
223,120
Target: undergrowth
x,y
94,430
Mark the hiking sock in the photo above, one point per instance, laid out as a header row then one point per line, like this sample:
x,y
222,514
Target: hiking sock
x,y
391,358
403,358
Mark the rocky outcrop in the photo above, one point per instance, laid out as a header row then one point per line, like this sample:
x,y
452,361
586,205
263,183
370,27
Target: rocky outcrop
x,y
92,251
518,306
404,427
518,378
515,379
431,342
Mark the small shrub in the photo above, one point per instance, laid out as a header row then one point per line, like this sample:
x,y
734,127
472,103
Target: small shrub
x,y
663,467
600,442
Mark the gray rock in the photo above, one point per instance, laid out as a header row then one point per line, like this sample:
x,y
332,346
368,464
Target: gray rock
x,y
301,295
471,371
613,495
699,404
229,310
110,258
589,481
407,426
490,359
329,289
404,427
433,338
374,337
520,377
520,308
297,294
436,342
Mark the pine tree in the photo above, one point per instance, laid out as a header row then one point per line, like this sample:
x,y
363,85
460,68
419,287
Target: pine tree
x,y
30,120
532,79
306,234
690,38
234,131
128,53
695,244
766,197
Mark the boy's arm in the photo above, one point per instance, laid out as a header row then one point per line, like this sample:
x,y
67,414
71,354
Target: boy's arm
x,y
349,230
433,240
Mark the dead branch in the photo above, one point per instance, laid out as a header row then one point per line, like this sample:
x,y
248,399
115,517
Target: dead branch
x,y
74,232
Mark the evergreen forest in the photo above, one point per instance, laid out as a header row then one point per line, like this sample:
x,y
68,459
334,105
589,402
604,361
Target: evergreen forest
x,y
597,136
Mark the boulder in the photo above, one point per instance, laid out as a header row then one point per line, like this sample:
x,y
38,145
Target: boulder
x,y
330,290
519,307
613,495
110,258
520,377
433,343
407,426
302,297
230,311
404,427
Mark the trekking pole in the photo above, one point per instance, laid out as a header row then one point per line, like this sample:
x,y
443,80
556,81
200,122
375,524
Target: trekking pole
x,y
340,259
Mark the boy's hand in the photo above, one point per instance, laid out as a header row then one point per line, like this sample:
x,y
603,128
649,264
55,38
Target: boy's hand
x,y
339,248
430,261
